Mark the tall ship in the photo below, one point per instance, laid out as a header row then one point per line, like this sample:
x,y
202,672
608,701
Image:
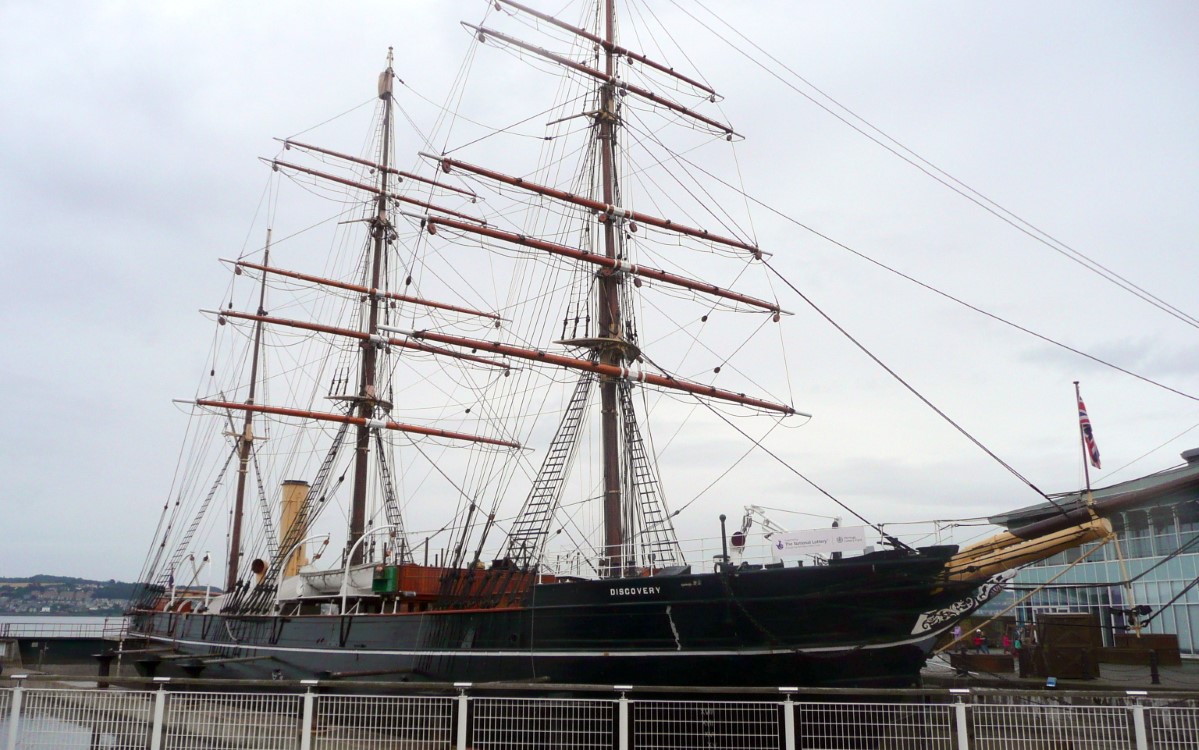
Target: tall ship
x,y
428,438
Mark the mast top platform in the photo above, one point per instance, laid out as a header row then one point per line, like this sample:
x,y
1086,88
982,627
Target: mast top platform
x,y
628,350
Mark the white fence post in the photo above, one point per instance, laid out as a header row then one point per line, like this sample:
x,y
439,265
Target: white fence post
x,y
14,717
622,722
306,720
1138,719
959,710
788,724
160,712
463,712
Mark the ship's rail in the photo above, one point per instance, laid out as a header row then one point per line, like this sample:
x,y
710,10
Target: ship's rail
x,y
298,716
112,628
703,553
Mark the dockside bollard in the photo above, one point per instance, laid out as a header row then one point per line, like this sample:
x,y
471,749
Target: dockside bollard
x,y
105,668
1023,662
148,666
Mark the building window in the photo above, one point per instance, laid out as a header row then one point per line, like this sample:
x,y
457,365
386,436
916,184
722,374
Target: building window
x,y
1137,539
1165,532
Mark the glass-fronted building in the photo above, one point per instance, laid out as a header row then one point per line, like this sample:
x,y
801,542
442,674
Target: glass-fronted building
x,y
1157,528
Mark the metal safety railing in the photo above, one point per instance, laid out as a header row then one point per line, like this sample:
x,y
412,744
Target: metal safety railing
x,y
169,716
111,628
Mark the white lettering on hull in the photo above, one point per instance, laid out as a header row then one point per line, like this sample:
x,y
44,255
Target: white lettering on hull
x,y
634,591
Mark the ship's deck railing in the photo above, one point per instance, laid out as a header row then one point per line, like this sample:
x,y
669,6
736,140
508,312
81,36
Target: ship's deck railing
x,y
112,628
297,716
702,553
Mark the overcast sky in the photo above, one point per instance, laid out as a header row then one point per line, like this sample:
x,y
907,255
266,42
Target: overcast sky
x,y
128,164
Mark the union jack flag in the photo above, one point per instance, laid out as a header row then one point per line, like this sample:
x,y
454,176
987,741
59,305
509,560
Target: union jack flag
x,y
1088,438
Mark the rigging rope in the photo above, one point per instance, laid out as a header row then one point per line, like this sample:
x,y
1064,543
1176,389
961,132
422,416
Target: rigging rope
x,y
946,179
912,389
940,293
757,443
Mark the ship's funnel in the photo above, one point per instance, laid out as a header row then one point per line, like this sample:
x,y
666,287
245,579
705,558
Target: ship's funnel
x,y
295,492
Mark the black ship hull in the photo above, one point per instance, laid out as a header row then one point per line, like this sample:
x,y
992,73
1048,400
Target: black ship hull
x,y
867,621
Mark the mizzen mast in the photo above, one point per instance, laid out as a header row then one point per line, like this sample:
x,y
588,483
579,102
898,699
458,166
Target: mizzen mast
x,y
245,441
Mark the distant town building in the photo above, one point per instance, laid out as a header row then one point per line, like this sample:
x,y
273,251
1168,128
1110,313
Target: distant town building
x,y
36,595
1158,537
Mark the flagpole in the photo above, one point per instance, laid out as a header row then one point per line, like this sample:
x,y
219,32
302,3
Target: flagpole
x,y
1091,455
1082,442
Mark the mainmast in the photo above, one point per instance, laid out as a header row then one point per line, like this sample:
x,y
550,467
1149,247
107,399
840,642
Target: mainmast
x,y
368,397
611,349
245,441
636,530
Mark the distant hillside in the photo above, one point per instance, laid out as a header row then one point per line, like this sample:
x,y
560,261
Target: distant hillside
x,y
41,578
110,589
41,594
